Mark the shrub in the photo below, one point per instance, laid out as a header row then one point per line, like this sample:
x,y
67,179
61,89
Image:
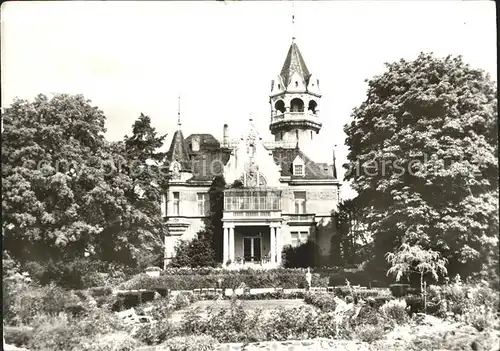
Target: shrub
x,y
159,310
293,323
325,302
182,300
154,334
193,323
481,317
77,274
118,341
64,333
195,253
18,336
228,325
395,311
370,333
191,343
304,255
24,305
368,316
415,303
55,333
101,291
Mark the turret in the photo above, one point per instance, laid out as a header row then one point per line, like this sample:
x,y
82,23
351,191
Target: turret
x,y
295,101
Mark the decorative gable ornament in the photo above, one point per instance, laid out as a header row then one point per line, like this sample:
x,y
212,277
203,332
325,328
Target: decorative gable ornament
x,y
175,169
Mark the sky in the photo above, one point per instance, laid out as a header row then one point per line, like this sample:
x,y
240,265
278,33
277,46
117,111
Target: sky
x,y
220,57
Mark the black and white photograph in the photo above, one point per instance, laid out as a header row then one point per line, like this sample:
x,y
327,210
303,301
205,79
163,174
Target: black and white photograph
x,y
246,175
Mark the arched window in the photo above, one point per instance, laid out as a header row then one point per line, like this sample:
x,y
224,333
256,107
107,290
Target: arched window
x,y
280,106
312,106
297,105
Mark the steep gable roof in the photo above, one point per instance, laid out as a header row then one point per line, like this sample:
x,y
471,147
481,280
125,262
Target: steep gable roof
x,y
208,164
285,157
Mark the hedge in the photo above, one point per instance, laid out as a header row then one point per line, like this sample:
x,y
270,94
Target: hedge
x,y
223,271
400,290
277,295
253,279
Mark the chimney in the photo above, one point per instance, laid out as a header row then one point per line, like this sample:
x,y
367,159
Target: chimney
x,y
225,136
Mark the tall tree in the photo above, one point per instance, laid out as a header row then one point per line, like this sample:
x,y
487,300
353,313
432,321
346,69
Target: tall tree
x,y
422,153
62,194
144,165
351,234
213,224
50,154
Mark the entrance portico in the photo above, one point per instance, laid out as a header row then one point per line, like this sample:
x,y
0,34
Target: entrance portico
x,y
252,223
252,244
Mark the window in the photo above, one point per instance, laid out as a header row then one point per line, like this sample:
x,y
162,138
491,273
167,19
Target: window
x,y
298,166
300,202
299,238
203,203
176,203
296,84
311,135
298,170
297,134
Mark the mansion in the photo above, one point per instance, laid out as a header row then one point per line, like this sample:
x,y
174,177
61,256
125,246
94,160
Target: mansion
x,y
284,198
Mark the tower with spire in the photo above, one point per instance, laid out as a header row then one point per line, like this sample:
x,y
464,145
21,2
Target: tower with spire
x,y
295,101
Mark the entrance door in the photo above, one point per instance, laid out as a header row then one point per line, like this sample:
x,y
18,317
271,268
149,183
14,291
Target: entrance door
x,y
251,249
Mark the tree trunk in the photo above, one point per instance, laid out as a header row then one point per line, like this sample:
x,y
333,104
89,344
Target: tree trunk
x,y
422,289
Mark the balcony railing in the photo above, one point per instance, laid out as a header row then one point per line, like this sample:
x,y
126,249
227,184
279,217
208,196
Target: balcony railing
x,y
293,115
300,218
251,214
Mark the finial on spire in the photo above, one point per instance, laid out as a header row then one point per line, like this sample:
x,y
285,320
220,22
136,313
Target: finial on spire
x,y
334,166
179,112
293,20
250,117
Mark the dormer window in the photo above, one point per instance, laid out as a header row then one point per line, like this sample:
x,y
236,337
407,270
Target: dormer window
x,y
296,84
298,170
279,86
298,167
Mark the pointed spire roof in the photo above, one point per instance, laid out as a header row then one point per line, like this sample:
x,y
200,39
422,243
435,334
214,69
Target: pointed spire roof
x,y
294,62
178,151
